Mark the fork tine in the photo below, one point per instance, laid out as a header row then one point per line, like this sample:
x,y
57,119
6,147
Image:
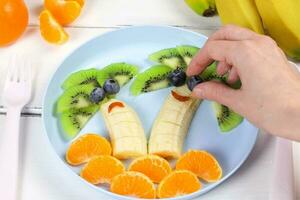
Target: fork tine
x,y
28,73
23,73
10,70
15,70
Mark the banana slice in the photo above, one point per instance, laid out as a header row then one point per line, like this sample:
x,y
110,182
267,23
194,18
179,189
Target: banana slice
x,y
171,126
125,129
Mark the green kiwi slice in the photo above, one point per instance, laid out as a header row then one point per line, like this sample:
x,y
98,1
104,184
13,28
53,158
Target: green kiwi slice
x,y
75,97
210,73
121,72
187,52
227,119
73,120
152,79
82,77
169,57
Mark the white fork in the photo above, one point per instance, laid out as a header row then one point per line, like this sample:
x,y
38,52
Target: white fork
x,y
16,94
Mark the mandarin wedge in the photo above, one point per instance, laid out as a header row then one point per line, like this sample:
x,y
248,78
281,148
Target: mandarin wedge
x,y
102,169
51,30
155,167
65,12
134,184
202,163
86,147
178,183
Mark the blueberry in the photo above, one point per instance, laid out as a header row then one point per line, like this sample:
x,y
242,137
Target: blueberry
x,y
177,77
193,81
97,95
111,86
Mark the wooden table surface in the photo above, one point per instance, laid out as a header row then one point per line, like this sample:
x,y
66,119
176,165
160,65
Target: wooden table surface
x,y
40,174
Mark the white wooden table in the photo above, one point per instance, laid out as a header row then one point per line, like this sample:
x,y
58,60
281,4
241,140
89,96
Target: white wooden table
x,y
40,174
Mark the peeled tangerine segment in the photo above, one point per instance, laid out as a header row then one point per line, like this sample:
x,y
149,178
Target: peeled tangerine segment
x,y
155,167
133,184
202,163
125,130
51,30
86,147
178,183
65,12
96,170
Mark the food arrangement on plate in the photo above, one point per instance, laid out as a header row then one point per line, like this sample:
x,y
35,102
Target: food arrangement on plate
x,y
91,90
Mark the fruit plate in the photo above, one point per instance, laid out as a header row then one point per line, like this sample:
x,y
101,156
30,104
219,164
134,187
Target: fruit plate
x,y
133,45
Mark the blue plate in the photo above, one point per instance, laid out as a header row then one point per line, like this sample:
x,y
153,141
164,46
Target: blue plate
x,y
133,45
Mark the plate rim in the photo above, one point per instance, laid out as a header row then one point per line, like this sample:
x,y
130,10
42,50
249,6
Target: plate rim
x,y
106,192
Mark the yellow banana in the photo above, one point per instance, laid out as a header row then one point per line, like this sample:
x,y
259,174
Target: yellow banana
x,y
281,19
240,12
172,123
205,8
125,129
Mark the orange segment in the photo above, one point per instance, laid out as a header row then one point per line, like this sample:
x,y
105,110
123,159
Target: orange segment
x,y
86,147
155,167
51,30
81,2
202,163
102,169
133,184
65,12
178,183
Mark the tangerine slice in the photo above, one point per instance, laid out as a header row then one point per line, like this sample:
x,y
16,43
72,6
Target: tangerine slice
x,y
64,11
202,163
81,2
178,183
86,147
102,169
155,167
52,31
134,184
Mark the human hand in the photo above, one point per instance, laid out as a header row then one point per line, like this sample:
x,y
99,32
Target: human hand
x,y
270,92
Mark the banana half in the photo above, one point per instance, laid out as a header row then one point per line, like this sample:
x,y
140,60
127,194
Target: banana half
x,y
125,129
171,126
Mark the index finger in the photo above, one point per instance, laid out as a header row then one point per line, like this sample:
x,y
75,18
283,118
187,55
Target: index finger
x,y
213,50
233,33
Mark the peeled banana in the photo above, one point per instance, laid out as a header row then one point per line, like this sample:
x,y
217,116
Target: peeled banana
x,y
172,123
125,129
242,13
281,19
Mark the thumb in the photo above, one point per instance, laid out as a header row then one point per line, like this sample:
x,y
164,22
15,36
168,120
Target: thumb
x,y
218,92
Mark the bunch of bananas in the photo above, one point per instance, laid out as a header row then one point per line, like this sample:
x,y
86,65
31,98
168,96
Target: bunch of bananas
x,y
276,18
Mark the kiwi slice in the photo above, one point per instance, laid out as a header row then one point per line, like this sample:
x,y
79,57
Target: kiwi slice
x,y
121,72
210,73
227,119
187,52
73,120
75,97
169,57
82,77
154,78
